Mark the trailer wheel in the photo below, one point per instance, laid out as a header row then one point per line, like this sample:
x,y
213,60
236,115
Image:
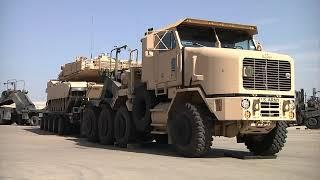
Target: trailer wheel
x,y
191,134
268,144
312,123
123,127
106,125
142,103
90,119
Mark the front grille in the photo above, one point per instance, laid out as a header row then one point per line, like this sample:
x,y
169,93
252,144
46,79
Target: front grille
x,y
269,105
269,109
267,74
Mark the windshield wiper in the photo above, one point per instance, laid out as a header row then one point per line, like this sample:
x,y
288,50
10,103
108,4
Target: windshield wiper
x,y
198,44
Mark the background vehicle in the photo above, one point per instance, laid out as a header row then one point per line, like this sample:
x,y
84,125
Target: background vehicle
x,y
308,111
198,79
15,105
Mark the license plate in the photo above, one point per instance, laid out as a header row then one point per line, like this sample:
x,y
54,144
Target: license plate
x,y
269,99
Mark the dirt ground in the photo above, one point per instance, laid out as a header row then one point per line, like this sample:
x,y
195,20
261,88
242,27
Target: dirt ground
x,y
29,153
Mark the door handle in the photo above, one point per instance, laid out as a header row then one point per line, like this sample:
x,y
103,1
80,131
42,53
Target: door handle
x,y
195,77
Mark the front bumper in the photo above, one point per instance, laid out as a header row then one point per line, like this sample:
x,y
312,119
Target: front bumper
x,y
260,108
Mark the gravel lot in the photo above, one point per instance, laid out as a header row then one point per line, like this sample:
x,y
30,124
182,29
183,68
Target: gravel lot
x,y
29,153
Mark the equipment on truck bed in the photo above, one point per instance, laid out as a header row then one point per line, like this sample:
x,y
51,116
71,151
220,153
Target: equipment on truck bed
x,y
308,111
15,105
197,79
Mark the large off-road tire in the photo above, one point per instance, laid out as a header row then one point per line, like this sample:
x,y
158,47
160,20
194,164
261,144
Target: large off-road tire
x,y
90,120
106,125
268,144
34,121
55,124
61,125
42,123
142,103
312,123
123,127
45,123
50,122
190,131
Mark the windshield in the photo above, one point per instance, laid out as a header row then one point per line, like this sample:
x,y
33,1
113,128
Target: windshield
x,y
205,37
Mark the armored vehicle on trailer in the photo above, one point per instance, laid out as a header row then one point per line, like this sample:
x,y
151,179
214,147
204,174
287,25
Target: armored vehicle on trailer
x,y
77,83
15,105
198,79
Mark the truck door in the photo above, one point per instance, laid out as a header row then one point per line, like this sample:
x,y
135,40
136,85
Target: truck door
x,y
167,59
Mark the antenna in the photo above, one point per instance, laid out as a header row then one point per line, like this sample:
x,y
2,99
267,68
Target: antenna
x,y
91,37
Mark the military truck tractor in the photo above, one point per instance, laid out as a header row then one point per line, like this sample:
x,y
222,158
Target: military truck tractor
x,y
198,79
308,110
15,105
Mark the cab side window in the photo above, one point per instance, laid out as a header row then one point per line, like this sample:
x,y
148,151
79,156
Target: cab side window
x,y
168,41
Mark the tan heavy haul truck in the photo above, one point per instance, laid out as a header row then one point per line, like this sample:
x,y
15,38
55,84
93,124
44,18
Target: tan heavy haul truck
x,y
198,79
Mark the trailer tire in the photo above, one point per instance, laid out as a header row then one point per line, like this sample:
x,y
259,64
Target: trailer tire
x,y
190,132
312,123
106,125
123,127
268,144
142,103
90,118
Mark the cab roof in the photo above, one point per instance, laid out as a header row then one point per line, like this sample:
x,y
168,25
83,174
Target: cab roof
x,y
252,30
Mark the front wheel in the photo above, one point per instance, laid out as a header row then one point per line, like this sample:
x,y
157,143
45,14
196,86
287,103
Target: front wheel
x,y
268,144
190,131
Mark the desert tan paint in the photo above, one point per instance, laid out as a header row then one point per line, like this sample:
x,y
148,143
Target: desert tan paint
x,y
61,89
222,69
218,71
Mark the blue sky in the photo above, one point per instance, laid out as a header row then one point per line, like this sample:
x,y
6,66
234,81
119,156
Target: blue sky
x,y
38,36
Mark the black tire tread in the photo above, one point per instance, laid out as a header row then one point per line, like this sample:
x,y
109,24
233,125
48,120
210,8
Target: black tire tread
x,y
272,143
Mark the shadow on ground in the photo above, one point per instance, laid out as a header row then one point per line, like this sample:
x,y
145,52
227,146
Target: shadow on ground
x,y
146,148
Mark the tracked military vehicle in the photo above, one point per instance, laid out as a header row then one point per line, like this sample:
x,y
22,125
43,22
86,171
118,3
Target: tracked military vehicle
x,y
198,79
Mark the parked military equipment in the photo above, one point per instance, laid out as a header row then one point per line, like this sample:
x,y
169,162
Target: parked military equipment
x,y
16,107
308,111
78,82
198,79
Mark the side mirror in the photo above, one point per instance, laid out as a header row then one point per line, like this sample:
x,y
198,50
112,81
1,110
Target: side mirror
x,y
148,53
150,41
259,47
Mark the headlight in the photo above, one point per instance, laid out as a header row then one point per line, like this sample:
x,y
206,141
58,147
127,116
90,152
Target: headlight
x,y
286,107
292,105
245,103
